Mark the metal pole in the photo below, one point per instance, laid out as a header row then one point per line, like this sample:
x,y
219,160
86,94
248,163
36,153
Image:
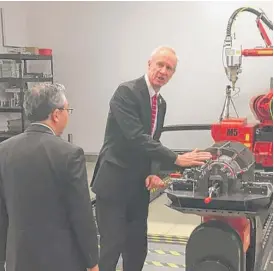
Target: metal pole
x,y
70,138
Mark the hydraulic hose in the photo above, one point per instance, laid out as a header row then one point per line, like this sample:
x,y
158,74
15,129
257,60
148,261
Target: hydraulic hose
x,y
254,11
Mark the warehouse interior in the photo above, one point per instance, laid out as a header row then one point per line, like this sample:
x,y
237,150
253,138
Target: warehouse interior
x,y
97,45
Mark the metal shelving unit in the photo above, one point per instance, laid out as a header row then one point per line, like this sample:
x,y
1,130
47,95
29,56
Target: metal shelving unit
x,y
19,80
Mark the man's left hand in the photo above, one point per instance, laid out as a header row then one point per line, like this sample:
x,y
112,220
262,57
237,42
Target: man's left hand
x,y
153,181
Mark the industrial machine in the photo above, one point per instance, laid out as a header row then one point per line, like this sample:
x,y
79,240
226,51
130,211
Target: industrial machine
x,y
233,192
257,136
235,203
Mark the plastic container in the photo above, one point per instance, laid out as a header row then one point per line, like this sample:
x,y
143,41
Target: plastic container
x,y
45,52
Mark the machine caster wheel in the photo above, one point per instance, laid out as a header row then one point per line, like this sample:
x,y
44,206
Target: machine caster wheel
x,y
210,265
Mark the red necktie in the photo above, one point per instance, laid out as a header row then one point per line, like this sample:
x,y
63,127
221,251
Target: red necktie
x,y
153,111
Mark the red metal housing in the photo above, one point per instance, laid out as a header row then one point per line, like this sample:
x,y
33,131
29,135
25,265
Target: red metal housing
x,y
240,224
260,106
240,130
234,129
263,152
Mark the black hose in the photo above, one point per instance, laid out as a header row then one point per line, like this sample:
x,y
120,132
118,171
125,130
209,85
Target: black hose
x,y
254,11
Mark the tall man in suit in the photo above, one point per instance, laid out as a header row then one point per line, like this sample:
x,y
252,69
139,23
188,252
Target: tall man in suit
x,y
46,220
122,176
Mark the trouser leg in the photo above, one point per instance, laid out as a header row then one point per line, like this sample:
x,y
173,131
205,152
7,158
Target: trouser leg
x,y
136,246
111,222
135,251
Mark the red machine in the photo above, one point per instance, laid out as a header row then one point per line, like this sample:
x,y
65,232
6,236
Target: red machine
x,y
257,136
222,191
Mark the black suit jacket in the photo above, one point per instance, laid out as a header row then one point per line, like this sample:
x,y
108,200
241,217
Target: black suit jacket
x,y
128,150
46,220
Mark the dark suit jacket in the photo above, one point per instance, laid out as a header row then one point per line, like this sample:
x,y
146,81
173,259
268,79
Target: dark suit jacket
x,y
128,149
46,220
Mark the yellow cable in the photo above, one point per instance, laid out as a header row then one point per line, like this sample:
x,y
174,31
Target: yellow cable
x,y
233,24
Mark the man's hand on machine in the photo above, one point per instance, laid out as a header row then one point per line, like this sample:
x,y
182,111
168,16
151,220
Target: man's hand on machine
x,y
194,158
153,181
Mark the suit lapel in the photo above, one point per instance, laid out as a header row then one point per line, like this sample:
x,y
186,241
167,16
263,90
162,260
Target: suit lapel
x,y
146,105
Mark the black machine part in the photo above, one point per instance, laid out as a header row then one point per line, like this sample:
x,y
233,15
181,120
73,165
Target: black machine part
x,y
228,182
206,251
214,245
232,163
209,265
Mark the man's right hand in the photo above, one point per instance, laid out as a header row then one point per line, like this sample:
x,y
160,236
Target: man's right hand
x,y
95,268
194,158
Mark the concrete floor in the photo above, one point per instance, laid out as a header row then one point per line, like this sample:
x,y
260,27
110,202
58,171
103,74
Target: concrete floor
x,y
163,220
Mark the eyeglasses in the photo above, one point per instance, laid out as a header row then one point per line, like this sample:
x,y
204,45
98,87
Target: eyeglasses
x,y
68,109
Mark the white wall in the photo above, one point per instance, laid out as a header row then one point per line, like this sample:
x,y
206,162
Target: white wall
x,y
97,45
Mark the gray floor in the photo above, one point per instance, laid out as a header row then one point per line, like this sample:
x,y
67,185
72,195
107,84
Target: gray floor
x,y
163,256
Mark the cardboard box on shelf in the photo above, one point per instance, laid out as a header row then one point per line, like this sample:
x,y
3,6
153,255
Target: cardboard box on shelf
x,y
32,50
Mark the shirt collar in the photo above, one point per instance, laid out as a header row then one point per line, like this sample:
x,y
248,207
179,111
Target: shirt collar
x,y
151,91
42,124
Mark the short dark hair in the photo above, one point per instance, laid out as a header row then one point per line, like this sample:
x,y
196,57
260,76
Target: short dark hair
x,y
42,99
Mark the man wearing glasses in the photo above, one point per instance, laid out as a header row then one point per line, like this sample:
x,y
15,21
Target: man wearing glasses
x,y
46,220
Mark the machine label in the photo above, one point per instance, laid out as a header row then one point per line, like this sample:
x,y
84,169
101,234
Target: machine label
x,y
232,132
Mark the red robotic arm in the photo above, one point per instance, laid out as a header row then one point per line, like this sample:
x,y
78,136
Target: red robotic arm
x,y
261,104
234,56
258,52
258,137
268,51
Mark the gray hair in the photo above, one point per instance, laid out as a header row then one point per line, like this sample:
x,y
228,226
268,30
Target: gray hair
x,y
162,48
42,99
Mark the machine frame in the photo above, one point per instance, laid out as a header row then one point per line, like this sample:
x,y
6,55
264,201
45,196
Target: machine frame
x,y
260,225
